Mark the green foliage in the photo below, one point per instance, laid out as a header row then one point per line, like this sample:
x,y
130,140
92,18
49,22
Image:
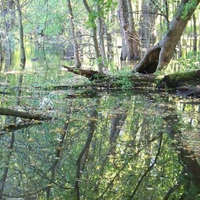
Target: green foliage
x,y
123,78
124,82
103,8
45,154
189,5
190,62
49,17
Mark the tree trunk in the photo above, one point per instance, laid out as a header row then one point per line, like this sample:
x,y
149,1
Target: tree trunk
x,y
109,36
159,56
1,54
109,47
95,40
130,40
21,36
75,43
8,21
146,31
195,34
101,33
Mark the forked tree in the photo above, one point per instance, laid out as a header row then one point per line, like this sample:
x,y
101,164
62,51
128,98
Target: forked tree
x,y
159,56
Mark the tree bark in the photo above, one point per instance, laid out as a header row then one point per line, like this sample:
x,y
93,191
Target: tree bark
x,y
159,56
8,7
130,39
73,32
1,54
146,31
101,33
21,36
22,114
195,34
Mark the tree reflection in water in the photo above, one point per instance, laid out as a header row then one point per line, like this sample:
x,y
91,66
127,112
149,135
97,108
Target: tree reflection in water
x,y
117,146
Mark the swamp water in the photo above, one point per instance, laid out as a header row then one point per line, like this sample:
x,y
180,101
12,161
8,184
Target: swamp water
x,y
117,145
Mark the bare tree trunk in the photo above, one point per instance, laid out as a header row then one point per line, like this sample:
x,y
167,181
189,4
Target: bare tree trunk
x,y
95,40
101,31
75,42
159,56
133,35
109,47
9,19
130,40
195,34
146,31
1,54
109,36
21,36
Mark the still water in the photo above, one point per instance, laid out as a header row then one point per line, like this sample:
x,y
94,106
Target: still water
x,y
116,145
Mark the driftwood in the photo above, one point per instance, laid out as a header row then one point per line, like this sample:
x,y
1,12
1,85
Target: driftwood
x,y
90,74
23,114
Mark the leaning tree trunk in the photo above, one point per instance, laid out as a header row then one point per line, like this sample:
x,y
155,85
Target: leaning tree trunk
x,y
130,39
75,42
159,56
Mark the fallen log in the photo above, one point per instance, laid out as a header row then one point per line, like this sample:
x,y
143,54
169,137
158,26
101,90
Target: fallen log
x,y
137,80
108,81
179,79
90,74
23,114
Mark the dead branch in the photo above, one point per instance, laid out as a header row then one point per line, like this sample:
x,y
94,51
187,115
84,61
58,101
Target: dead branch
x,y
23,114
90,74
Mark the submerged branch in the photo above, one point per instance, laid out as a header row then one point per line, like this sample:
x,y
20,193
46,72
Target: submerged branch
x,y
23,114
15,127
